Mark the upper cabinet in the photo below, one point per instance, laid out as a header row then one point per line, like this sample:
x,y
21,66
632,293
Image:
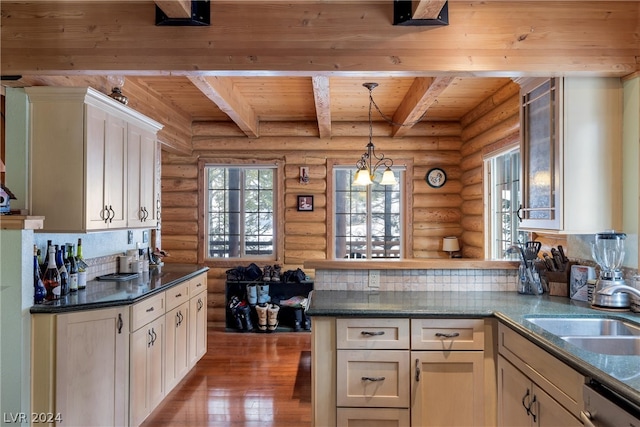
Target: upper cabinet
x,y
571,154
92,161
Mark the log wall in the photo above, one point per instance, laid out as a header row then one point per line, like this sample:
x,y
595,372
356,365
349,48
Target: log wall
x,y
454,209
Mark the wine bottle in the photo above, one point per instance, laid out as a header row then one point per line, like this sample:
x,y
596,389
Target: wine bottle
x,y
39,292
73,268
51,278
62,270
82,267
45,263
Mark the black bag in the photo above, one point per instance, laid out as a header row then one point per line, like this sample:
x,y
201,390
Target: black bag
x,y
294,276
246,274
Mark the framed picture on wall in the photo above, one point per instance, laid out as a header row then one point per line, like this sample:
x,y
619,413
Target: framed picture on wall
x,y
305,203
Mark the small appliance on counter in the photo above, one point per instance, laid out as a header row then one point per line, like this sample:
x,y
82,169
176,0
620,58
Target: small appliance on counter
x,y
608,252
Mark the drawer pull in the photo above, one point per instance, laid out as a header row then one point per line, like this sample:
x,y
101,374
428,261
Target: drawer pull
x,y
120,323
372,334
417,370
149,310
443,335
373,379
178,295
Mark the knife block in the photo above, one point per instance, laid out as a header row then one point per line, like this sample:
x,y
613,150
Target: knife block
x,y
559,280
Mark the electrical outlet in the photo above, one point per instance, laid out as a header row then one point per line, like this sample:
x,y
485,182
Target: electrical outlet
x,y
374,279
145,236
130,237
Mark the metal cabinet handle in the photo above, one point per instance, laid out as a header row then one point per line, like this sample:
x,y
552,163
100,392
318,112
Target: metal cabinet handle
x,y
149,310
518,213
113,212
531,408
373,379
178,295
528,408
372,334
150,338
200,304
104,214
417,370
120,323
444,335
154,336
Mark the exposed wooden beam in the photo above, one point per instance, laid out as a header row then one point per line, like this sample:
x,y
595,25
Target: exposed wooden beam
x,y
229,100
322,98
423,93
175,8
428,9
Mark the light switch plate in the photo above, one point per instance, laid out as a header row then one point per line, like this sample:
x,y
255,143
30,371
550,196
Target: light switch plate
x,y
130,237
145,236
374,279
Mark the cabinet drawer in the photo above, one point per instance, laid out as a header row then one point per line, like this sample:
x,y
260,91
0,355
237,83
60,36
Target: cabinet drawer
x,y
378,417
147,310
177,295
197,285
373,378
372,333
447,334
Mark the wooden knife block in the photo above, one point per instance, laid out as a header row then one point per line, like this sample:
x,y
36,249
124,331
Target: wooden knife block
x,y
559,280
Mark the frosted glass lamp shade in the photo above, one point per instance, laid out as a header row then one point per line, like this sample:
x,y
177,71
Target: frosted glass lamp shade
x,y
450,244
362,177
388,178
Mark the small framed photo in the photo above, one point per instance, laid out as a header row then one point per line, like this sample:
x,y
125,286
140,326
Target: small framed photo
x,y
305,203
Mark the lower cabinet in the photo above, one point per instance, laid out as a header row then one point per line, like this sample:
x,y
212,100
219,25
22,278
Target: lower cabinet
x,y
113,366
147,357
408,372
535,388
80,367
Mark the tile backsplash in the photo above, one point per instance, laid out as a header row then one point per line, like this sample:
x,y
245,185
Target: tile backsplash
x,y
418,280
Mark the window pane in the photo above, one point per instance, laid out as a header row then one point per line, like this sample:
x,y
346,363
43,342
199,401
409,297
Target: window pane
x,y
241,212
367,220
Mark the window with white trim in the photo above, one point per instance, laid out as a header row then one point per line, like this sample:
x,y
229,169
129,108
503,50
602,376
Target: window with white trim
x,y
503,190
368,220
240,216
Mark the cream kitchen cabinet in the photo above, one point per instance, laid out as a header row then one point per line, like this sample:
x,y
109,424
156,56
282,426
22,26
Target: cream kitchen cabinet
x,y
535,388
80,176
147,357
571,151
197,318
177,327
80,366
142,192
447,357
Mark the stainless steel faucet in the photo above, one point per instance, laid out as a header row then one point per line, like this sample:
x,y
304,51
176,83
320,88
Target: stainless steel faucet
x,y
612,289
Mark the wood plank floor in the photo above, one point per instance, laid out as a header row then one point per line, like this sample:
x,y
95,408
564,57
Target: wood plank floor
x,y
245,379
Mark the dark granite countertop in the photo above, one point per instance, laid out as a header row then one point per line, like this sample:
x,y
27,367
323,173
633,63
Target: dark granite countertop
x,y
619,373
101,294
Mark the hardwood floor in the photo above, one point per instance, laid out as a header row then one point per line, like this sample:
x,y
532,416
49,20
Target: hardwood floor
x,y
245,379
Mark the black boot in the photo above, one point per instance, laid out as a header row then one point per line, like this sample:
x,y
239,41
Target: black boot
x,y
306,322
246,318
297,325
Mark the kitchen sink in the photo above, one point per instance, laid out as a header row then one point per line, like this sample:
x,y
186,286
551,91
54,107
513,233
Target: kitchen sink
x,y
597,335
619,346
584,326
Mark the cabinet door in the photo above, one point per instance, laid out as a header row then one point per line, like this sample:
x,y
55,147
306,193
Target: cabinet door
x,y
541,174
141,148
515,393
92,367
176,345
96,208
147,370
115,179
373,417
197,327
448,388
546,412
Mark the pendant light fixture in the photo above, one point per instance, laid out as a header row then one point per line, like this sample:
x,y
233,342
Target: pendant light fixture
x,y
366,166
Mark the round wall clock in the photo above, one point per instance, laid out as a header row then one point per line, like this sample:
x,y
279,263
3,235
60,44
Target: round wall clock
x,y
436,177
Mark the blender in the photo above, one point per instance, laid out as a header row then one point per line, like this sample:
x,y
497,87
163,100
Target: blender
x,y
608,252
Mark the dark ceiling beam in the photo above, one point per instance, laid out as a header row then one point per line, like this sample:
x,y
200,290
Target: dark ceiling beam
x,y
322,98
230,101
424,91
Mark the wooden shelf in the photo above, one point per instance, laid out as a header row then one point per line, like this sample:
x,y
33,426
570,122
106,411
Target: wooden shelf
x,y
21,222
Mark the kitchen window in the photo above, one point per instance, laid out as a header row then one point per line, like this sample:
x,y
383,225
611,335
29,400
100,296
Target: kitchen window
x,y
241,211
503,189
367,221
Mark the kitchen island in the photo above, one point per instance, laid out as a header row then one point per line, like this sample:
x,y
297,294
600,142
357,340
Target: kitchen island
x,y
109,354
505,309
